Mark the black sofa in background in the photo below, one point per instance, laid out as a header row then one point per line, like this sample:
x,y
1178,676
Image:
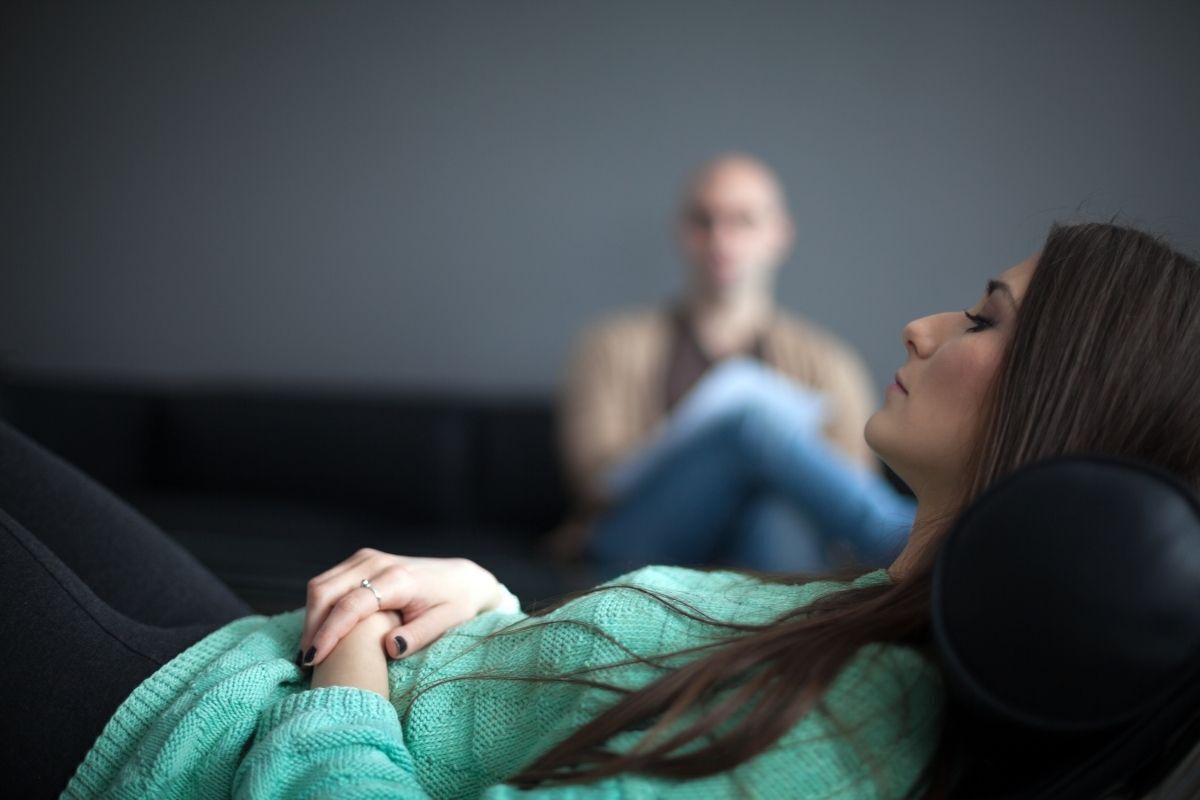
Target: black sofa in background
x,y
268,486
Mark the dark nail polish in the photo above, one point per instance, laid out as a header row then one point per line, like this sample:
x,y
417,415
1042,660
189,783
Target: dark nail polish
x,y
310,655
401,645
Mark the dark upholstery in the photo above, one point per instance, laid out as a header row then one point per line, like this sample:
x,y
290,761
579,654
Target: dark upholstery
x,y
270,485
1066,611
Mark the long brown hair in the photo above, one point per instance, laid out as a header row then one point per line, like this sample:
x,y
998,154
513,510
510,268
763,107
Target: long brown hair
x,y
1105,357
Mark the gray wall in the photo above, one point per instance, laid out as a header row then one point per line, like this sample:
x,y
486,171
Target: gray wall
x,y
440,194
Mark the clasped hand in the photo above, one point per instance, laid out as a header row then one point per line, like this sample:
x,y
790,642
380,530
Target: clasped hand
x,y
430,595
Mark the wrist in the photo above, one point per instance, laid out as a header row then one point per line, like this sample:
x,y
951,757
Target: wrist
x,y
377,625
359,660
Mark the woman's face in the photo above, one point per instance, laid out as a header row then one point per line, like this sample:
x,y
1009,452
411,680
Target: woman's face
x,y
930,414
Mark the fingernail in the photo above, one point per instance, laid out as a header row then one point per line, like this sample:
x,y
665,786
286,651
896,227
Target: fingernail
x,y
401,645
310,655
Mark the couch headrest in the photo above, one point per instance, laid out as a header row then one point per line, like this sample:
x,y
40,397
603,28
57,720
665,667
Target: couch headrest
x,y
1066,604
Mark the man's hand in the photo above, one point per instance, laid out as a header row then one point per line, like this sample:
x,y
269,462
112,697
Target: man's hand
x,y
431,595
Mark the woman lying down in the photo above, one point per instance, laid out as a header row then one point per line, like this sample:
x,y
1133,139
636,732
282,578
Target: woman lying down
x,y
131,672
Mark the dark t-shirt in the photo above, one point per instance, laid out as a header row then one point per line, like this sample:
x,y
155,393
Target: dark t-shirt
x,y
687,360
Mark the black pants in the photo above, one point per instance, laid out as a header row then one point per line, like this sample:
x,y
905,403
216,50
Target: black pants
x,y
95,599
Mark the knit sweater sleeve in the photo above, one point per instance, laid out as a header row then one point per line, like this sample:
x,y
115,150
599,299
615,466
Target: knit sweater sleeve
x,y
870,740
330,742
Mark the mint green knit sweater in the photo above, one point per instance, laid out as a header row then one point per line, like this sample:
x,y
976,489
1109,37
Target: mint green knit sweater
x,y
234,716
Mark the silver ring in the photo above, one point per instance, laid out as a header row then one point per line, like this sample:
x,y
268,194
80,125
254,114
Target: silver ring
x,y
366,584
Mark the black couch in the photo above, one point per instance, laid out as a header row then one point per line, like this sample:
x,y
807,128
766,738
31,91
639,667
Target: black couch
x,y
270,485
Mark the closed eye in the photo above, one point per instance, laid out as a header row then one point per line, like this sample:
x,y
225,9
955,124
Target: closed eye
x,y
979,322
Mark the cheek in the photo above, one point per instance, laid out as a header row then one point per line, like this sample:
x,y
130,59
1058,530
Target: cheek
x,y
962,378
927,434
956,391
765,241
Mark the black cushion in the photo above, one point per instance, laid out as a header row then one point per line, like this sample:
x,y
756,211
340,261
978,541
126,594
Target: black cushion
x,y
104,430
1069,596
409,456
519,481
268,485
1066,610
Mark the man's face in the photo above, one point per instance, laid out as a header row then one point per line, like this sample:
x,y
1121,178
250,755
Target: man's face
x,y
734,230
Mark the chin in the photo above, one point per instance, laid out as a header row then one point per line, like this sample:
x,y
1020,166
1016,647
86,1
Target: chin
x,y
722,285
872,434
883,445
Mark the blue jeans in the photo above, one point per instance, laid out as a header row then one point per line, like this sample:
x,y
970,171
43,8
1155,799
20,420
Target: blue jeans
x,y
751,484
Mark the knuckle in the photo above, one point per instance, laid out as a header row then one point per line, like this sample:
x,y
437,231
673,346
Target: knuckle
x,y
472,565
315,591
395,571
475,569
366,552
352,602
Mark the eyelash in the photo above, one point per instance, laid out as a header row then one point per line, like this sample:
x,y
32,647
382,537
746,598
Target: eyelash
x,y
981,323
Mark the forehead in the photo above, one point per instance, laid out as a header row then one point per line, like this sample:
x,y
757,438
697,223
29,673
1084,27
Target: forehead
x,y
734,185
1018,276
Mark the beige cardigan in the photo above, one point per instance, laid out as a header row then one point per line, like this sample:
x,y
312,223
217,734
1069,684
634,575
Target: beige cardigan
x,y
614,394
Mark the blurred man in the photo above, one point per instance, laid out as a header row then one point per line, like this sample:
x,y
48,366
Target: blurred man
x,y
648,394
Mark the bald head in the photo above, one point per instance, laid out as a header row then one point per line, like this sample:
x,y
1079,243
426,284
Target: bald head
x,y
734,226
736,173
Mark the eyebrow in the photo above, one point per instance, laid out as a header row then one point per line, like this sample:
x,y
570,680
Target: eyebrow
x,y
994,285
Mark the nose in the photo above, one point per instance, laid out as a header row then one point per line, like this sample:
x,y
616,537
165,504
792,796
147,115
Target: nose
x,y
920,336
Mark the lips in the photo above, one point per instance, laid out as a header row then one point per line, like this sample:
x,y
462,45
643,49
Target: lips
x,y
900,383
